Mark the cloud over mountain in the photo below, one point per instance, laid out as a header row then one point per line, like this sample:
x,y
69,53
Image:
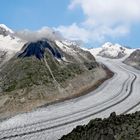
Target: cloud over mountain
x,y
44,32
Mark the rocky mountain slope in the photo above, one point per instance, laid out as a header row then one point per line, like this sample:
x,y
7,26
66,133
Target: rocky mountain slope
x,y
45,71
110,50
134,59
122,127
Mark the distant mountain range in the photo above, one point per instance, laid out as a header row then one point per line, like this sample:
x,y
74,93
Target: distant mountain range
x,y
114,51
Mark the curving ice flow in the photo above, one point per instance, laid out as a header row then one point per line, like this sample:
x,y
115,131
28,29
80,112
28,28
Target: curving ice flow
x,y
119,94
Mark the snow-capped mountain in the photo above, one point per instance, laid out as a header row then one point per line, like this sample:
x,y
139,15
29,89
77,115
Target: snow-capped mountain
x,y
48,69
110,50
9,43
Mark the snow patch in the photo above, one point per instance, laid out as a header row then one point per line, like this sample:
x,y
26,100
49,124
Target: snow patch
x,y
64,47
9,44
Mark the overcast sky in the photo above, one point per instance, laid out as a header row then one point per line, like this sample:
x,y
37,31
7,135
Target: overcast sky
x,y
92,21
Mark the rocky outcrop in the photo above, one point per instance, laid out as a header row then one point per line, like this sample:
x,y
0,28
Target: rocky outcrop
x,y
122,127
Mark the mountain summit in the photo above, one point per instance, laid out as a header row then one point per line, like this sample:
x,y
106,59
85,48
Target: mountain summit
x,y
110,50
37,49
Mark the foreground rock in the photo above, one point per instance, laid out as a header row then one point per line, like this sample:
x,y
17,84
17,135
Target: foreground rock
x,y
122,127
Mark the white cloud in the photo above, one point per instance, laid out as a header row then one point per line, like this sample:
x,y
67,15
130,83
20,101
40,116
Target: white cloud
x,y
44,32
109,11
103,18
74,32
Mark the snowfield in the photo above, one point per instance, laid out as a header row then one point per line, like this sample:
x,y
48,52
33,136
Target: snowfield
x,y
119,94
13,44
9,44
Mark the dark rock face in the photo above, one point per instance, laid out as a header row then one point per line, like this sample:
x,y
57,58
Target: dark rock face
x,y
103,137
37,49
122,127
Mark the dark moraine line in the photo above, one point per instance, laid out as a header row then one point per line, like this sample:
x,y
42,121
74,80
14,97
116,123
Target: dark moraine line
x,y
125,112
70,122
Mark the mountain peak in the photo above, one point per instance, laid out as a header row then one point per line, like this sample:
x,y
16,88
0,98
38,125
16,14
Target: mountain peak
x,y
38,48
107,44
111,45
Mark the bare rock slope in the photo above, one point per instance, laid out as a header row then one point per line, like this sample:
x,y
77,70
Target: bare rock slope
x,y
134,59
